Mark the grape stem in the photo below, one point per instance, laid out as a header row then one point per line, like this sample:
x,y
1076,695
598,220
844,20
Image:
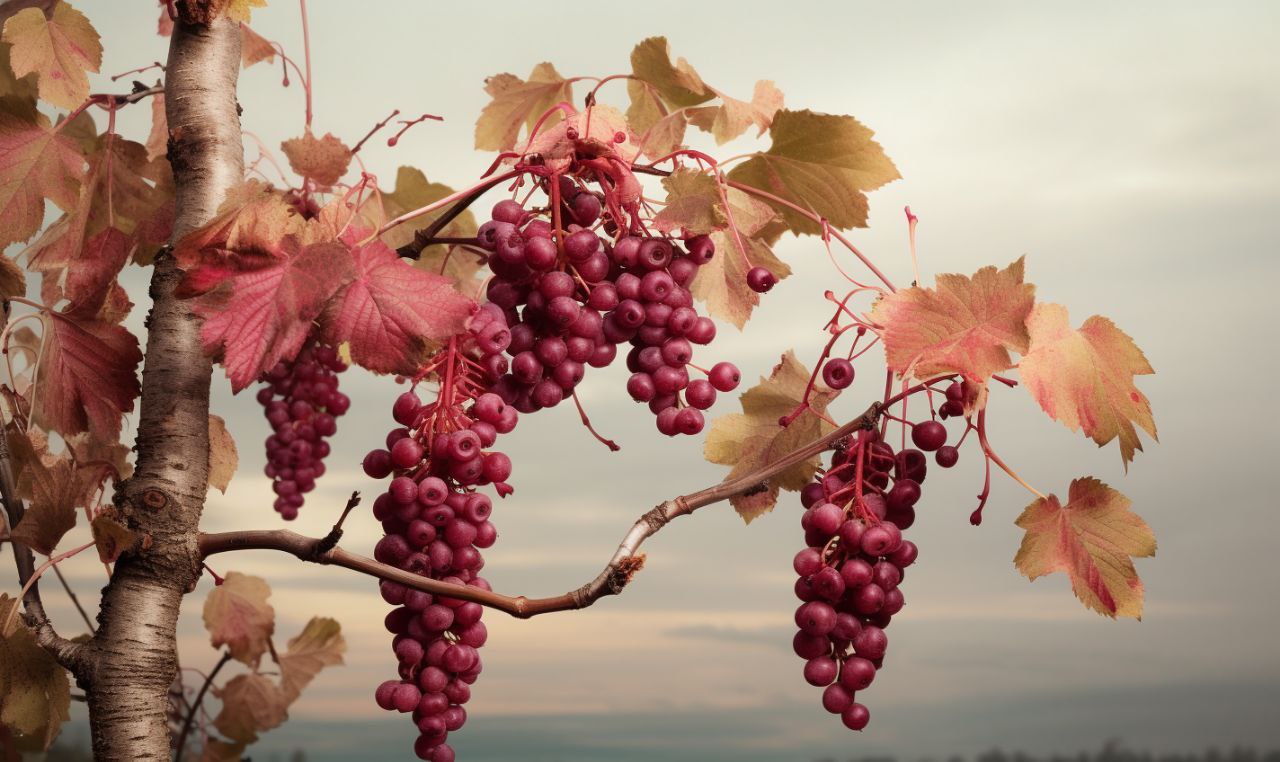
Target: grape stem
x,y
626,561
460,201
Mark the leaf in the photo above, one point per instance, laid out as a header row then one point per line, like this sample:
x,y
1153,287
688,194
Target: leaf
x,y
89,449
262,307
414,191
966,325
722,283
1093,538
90,278
218,750
733,117
237,615
111,537
254,218
319,645
1084,377
254,48
323,160
693,203
679,85
251,704
13,280
594,131
752,439
390,310
158,139
15,90
37,162
241,10
665,136
87,377
59,49
35,691
55,492
223,458
820,162
516,103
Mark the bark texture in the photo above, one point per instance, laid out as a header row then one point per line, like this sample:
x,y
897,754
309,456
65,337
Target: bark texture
x,y
133,657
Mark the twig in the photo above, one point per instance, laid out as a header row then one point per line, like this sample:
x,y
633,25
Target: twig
x,y
74,599
611,581
195,705
422,238
329,541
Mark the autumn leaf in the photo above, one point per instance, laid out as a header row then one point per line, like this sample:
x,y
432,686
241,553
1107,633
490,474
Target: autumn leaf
x,y
519,103
678,84
260,308
89,449
241,10
217,750
89,280
254,218
15,90
319,645
389,310
693,203
223,458
13,279
752,439
1094,539
1084,377
110,536
87,379
733,117
322,160
237,615
596,131
37,162
414,191
158,139
254,48
722,283
820,162
55,492
58,48
35,691
251,704
966,325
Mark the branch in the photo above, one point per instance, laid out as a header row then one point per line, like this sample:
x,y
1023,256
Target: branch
x,y
424,237
617,573
195,705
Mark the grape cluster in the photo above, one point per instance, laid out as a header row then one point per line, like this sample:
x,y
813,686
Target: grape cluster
x,y
302,402
572,304
436,524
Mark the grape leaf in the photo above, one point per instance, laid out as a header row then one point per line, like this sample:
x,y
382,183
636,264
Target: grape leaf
x,y
389,310
37,162
679,85
55,492
251,704
237,615
15,90
594,131
257,308
1084,377
13,279
254,48
414,191
58,48
110,536
319,645
966,325
89,449
158,139
87,377
665,136
722,283
753,439
322,160
820,162
89,280
254,218
1093,538
733,117
241,10
223,458
693,203
516,103
35,691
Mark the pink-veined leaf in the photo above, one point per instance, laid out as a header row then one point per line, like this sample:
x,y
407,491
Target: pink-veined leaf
x,y
87,379
59,48
237,616
37,162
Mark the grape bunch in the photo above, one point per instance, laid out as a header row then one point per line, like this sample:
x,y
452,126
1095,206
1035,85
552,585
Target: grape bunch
x,y
302,404
436,524
571,304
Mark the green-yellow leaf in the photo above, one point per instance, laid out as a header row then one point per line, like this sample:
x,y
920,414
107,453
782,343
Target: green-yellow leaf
x,y
693,203
35,692
414,191
237,616
58,49
679,85
519,103
820,162
251,704
752,439
223,457
1094,539
722,283
319,645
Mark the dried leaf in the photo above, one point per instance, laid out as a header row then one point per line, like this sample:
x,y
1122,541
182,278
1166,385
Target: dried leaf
x,y
13,279
223,458
58,48
237,615
594,131
733,117
158,139
319,645
36,163
251,704
35,691
414,191
752,439
679,85
111,537
241,10
722,283
518,103
693,203
254,48
1084,377
322,160
1093,538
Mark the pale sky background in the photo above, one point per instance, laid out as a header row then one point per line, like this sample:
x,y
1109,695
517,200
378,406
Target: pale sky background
x,y
1129,150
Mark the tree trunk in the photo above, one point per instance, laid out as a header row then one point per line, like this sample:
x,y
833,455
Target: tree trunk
x,y
133,657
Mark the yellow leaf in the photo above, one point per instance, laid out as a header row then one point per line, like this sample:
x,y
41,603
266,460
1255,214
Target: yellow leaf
x,y
693,203
722,283
519,103
251,704
241,10
1093,538
1084,377
319,645
753,439
254,47
58,49
679,85
820,162
237,615
223,458
322,160
111,537
733,117
35,692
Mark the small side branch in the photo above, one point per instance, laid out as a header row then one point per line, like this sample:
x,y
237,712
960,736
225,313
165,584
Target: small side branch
x,y
626,560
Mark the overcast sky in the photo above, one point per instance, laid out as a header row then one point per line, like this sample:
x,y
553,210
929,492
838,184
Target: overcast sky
x,y
1129,150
